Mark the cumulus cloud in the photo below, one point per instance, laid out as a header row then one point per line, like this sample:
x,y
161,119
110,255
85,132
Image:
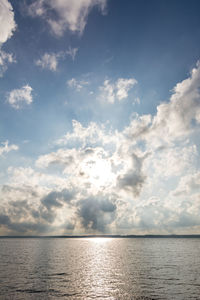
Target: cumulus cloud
x,y
28,208
17,210
8,26
96,213
177,158
175,119
65,14
55,198
5,148
161,216
7,22
188,184
182,113
86,135
118,90
48,61
77,84
5,59
133,180
22,227
29,178
142,179
63,157
19,97
139,127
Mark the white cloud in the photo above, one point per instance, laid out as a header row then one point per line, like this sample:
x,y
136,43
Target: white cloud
x,y
133,179
139,126
31,178
48,61
68,14
5,59
175,119
77,84
72,52
177,158
188,184
118,90
7,148
107,91
142,179
7,27
7,22
178,117
93,134
60,157
123,86
19,97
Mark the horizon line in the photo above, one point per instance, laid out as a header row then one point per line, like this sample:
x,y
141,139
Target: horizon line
x,y
106,236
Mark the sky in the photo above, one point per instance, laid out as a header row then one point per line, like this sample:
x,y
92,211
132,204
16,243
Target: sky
x,y
99,117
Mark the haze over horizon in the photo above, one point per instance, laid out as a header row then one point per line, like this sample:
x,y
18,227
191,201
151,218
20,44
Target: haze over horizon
x,y
99,117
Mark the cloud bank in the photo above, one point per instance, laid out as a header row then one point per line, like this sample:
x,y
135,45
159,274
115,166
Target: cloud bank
x,y
142,179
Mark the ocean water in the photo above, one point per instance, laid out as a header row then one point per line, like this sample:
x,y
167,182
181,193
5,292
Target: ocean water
x,y
100,268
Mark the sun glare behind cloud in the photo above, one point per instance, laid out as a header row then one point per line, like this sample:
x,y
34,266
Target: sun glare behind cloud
x,y
98,172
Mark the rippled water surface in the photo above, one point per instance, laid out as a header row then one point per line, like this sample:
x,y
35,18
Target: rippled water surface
x,y
100,268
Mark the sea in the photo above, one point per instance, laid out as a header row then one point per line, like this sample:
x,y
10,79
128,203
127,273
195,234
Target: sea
x,y
100,268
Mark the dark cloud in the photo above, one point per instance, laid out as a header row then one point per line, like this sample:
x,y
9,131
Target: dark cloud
x,y
139,127
96,213
47,215
23,210
56,199
69,226
65,162
88,151
32,215
22,227
134,179
141,131
4,220
25,189
51,200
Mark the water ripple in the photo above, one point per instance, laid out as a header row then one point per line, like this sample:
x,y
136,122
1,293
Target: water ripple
x,y
135,269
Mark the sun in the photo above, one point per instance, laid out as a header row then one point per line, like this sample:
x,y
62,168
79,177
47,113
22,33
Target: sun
x,y
99,172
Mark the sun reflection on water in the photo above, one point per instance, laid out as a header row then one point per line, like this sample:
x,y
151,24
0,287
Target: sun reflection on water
x,y
97,275
99,240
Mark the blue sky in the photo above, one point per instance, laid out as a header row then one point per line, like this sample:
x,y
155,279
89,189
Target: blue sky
x,y
99,116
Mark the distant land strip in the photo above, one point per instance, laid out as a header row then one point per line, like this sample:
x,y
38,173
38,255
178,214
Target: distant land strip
x,y
101,236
